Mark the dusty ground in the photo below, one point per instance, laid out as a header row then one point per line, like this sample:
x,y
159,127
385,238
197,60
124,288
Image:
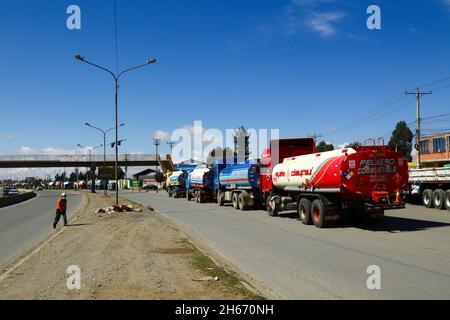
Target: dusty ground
x,y
121,256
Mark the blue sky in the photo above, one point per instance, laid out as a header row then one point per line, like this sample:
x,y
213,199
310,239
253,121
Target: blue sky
x,y
303,67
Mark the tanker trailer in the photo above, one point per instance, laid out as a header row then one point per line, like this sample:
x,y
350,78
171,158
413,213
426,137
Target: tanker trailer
x,y
324,187
239,184
200,185
247,185
176,186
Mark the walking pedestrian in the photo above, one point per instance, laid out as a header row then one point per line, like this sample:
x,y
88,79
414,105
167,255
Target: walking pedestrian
x,y
61,207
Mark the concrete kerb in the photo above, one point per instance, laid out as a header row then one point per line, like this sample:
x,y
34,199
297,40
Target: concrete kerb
x,y
11,200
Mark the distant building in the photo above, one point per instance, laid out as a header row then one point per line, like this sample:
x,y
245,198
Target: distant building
x,y
191,161
147,177
435,150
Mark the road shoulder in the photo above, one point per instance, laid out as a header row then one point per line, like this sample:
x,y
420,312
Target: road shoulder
x,y
137,255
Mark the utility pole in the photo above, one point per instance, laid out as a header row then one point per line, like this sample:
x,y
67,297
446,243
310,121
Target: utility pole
x,y
171,145
315,136
418,94
157,142
126,166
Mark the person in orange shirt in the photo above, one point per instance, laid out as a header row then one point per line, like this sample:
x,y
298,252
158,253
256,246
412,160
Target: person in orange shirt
x,y
61,207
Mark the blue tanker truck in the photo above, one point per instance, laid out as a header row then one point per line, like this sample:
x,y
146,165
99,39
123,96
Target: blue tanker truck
x,y
238,183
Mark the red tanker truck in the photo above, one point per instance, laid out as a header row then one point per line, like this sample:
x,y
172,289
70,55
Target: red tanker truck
x,y
325,187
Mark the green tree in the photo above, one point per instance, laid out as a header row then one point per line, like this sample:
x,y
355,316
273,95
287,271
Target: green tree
x,y
402,138
60,177
73,176
159,177
120,173
353,144
323,147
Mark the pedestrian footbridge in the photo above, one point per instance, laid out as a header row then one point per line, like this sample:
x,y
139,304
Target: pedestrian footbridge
x,y
72,161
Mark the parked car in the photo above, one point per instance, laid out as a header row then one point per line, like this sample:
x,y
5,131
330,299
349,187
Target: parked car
x,y
150,187
39,188
5,191
8,191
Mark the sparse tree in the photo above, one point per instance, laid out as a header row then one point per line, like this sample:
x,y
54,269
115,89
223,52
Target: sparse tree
x,y
353,144
402,138
159,177
323,147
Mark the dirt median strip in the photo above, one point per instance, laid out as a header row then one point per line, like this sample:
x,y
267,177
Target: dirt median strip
x,y
16,261
126,255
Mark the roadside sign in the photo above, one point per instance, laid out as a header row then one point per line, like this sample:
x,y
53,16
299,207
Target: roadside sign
x,y
106,173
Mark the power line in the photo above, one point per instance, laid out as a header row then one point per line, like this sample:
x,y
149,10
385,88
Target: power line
x,y
444,115
382,115
373,115
391,102
377,109
434,82
441,88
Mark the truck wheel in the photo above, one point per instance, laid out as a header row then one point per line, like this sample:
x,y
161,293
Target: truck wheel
x,y
220,200
271,207
235,201
439,199
242,202
427,198
318,214
304,211
447,199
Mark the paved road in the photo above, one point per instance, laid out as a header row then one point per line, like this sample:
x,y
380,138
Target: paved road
x,y
25,222
411,246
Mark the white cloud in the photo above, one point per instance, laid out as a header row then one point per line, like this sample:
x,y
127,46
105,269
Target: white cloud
x,y
323,23
48,151
25,150
8,136
343,145
160,134
303,15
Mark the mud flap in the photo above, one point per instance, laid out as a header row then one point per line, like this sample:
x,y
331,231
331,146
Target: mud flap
x,y
332,213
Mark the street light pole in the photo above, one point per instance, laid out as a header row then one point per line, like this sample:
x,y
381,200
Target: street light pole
x,y
77,169
171,145
116,89
90,149
157,142
104,132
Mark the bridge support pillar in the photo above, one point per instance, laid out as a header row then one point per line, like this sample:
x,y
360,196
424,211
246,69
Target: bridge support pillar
x,y
93,168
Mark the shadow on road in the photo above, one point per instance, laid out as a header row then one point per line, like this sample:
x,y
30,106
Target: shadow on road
x,y
396,224
387,224
289,215
79,224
